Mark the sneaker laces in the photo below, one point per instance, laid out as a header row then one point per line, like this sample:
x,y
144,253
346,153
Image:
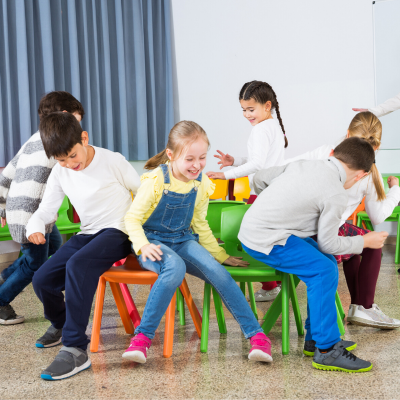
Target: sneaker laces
x,y
139,342
349,355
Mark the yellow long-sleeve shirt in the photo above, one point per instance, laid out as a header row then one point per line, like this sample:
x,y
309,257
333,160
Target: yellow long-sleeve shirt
x,y
147,199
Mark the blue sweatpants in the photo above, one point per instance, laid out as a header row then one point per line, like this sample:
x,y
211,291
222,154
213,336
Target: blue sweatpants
x,y
320,273
76,268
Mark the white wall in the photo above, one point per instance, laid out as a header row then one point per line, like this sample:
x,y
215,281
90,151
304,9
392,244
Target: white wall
x,y
317,55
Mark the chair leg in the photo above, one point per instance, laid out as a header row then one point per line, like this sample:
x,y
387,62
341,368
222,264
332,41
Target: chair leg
x,y
397,251
169,328
132,310
295,306
243,288
339,305
340,321
252,299
206,318
181,307
123,311
98,313
285,314
219,311
273,313
194,312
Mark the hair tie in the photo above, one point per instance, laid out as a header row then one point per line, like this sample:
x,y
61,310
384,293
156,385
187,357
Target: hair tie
x,y
374,162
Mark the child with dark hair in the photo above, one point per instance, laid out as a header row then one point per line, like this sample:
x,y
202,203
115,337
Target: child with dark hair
x,y
98,183
297,201
265,149
22,185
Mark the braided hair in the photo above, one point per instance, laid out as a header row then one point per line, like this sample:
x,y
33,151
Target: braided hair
x,y
262,92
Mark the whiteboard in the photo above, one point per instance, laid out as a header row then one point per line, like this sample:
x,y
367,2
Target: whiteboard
x,y
386,20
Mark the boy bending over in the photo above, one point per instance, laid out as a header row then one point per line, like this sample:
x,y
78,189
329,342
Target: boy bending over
x,y
297,201
98,183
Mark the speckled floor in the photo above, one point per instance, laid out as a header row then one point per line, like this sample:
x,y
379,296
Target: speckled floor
x,y
224,372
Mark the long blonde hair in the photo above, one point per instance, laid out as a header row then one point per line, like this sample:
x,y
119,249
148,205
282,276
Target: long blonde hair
x,y
367,126
181,136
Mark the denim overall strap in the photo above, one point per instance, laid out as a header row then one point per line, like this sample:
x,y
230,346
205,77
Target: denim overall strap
x,y
171,219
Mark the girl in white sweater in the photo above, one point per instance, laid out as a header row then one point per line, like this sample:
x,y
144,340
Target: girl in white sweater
x,y
385,108
265,148
361,271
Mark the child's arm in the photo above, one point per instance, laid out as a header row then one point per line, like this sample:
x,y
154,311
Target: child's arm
x,y
387,107
320,153
329,222
47,211
378,211
127,175
144,200
262,179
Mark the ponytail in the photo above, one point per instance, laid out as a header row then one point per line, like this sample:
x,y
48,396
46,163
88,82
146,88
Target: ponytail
x,y
367,126
262,92
157,160
376,180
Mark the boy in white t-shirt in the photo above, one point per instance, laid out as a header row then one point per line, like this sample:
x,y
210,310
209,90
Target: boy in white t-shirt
x,y
98,183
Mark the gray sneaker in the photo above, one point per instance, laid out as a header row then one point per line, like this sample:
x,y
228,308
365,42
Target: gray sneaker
x,y
339,359
68,362
51,338
309,346
9,317
372,317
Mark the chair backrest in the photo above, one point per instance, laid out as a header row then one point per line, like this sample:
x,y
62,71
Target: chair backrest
x,y
231,220
221,189
241,189
385,182
360,208
214,214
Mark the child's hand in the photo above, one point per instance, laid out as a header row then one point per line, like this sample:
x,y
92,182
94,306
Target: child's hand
x,y
152,252
37,238
236,262
375,240
360,109
3,222
215,175
392,181
225,159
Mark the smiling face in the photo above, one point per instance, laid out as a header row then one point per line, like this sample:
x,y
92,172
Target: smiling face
x,y
190,162
255,112
79,157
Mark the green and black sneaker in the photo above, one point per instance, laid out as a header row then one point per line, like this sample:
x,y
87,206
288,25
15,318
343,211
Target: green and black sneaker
x,y
339,359
309,346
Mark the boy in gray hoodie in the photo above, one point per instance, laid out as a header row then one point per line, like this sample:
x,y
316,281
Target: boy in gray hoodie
x,y
297,201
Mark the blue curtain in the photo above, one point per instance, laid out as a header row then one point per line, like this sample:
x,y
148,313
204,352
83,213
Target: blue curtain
x,y
112,55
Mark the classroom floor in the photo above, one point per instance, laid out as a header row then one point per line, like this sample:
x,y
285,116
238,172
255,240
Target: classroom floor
x,y
224,372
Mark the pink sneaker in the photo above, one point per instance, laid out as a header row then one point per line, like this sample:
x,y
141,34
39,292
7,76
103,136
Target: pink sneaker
x,y
137,351
260,348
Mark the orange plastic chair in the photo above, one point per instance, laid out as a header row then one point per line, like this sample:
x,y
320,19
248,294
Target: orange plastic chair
x,y
131,272
353,216
241,189
221,189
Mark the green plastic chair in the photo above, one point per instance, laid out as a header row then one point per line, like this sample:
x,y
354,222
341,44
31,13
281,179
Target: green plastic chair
x,y
214,214
256,272
394,217
5,234
63,223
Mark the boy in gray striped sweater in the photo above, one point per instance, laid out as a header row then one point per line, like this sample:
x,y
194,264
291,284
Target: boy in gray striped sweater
x,y
22,185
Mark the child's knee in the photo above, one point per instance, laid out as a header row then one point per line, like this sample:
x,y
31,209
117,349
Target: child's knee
x,y
174,271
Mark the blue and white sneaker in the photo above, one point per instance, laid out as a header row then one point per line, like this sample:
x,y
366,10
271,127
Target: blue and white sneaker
x,y
68,362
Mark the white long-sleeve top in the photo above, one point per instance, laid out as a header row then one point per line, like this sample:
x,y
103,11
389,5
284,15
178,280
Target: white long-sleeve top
x,y
378,211
265,149
100,194
387,107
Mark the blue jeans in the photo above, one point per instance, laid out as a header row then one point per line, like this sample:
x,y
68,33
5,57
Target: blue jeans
x,y
19,274
320,273
191,257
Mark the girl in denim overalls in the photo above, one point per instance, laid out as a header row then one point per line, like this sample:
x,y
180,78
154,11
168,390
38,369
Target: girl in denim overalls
x,y
170,235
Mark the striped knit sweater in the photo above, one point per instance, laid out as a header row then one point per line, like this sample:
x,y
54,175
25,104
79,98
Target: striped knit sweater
x,y
22,185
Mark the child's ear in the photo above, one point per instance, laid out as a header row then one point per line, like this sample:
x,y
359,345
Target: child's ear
x,y
360,175
85,138
268,106
331,153
348,134
169,153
